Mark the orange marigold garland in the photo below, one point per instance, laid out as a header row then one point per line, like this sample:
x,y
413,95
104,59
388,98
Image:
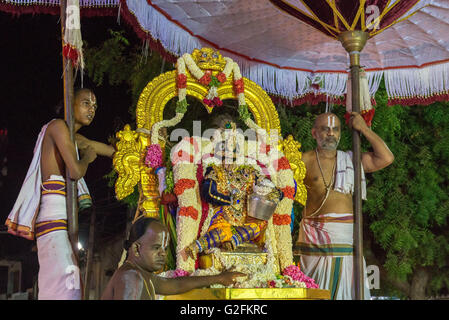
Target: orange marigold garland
x,y
221,77
182,81
239,86
289,192
182,185
281,219
281,164
205,79
188,212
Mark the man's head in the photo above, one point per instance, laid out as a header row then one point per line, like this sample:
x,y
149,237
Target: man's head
x,y
85,106
149,239
327,131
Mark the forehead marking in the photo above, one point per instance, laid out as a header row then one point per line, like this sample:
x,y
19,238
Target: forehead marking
x,y
164,239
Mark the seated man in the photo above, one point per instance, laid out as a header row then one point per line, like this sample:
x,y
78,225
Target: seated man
x,y
135,279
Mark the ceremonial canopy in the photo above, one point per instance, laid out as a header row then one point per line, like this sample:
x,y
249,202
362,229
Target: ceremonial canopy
x,y
290,47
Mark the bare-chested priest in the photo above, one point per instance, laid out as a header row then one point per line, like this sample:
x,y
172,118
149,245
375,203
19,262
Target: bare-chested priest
x,y
146,253
40,209
325,240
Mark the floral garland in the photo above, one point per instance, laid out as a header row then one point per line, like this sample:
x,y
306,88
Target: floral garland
x,y
278,167
186,187
187,190
282,216
153,157
212,99
213,82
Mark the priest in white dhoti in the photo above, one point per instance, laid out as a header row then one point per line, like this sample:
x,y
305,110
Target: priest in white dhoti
x,y
40,209
325,241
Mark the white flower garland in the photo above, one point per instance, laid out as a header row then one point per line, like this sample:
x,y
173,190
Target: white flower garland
x,y
279,243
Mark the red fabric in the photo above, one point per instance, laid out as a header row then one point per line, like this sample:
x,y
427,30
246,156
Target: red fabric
x,y
396,12
309,98
204,204
347,9
423,101
70,53
169,198
299,15
366,115
204,207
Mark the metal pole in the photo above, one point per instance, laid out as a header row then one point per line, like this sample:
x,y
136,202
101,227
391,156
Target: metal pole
x,y
353,42
71,188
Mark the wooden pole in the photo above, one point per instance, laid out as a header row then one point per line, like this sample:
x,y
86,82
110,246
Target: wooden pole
x,y
98,276
353,42
90,254
71,188
357,201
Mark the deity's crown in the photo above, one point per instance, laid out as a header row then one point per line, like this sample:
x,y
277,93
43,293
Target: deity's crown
x,y
208,58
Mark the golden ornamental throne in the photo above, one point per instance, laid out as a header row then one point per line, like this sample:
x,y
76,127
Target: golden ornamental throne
x,y
210,78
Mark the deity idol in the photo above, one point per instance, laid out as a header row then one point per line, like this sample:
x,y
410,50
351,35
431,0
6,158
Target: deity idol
x,y
243,199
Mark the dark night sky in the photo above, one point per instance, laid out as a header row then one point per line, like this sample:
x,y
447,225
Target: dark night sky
x,y
31,85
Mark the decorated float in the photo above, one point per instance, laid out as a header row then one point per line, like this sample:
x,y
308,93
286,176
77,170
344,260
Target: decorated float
x,y
259,175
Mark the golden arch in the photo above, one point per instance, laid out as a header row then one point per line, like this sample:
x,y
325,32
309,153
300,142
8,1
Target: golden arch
x,y
129,160
154,97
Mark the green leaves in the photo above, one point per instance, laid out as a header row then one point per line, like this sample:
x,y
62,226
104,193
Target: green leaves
x,y
181,106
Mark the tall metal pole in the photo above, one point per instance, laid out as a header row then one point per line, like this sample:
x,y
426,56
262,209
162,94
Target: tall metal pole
x,y
71,188
353,42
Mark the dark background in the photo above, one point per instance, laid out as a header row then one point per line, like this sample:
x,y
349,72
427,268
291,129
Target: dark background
x,y
31,87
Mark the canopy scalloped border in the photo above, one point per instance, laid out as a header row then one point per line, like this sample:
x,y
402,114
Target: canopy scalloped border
x,y
406,86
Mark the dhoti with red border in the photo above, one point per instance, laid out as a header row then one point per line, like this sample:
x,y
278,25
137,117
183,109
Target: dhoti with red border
x,y
325,245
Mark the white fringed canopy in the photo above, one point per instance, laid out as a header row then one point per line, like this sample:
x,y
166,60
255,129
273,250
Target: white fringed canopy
x,y
292,59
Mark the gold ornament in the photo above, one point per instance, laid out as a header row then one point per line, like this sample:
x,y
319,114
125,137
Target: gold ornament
x,y
129,160
291,147
154,97
208,59
136,248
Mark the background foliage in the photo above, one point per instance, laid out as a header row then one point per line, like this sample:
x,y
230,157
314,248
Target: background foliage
x,y
406,214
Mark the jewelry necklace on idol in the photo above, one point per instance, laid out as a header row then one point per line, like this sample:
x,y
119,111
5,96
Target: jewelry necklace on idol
x,y
327,186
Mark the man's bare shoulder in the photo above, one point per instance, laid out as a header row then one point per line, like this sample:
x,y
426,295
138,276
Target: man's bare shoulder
x,y
57,126
125,284
125,274
308,155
